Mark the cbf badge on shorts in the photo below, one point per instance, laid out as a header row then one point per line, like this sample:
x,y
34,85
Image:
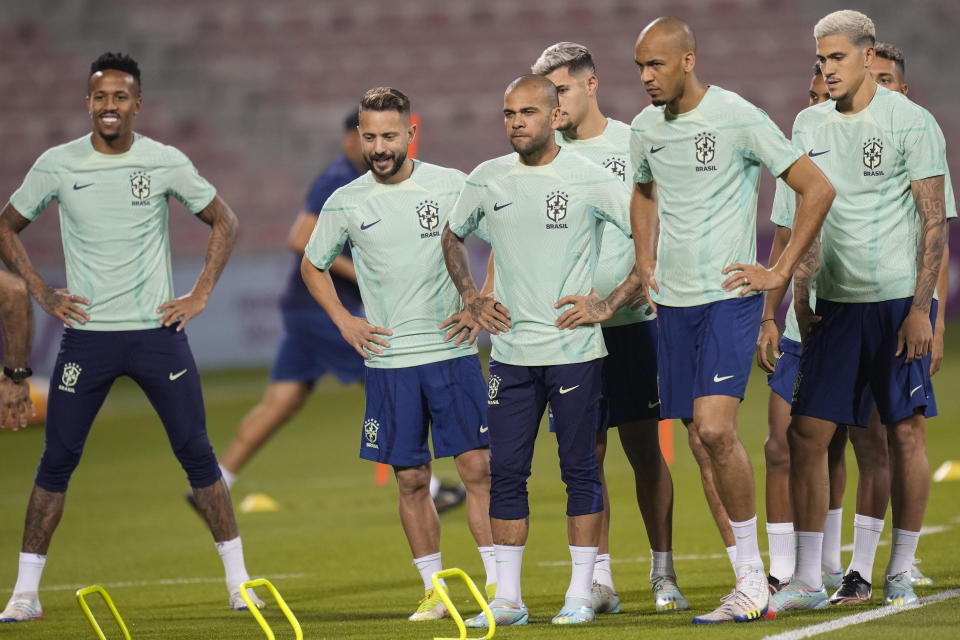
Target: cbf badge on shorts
x,y
493,388
370,430
69,377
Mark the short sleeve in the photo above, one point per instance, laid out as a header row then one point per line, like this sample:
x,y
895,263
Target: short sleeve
x,y
760,138
329,235
784,205
321,189
924,153
468,210
638,158
40,186
188,186
611,202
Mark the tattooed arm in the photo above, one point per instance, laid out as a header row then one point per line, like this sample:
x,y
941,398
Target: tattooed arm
x,y
940,327
480,311
59,303
223,234
769,334
915,337
16,322
802,284
591,309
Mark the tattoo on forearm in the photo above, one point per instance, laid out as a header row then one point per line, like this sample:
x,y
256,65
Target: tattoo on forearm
x,y
806,271
43,515
223,235
458,264
626,290
928,195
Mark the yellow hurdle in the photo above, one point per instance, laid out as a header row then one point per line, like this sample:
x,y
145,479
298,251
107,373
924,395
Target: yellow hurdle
x,y
263,582
450,573
81,595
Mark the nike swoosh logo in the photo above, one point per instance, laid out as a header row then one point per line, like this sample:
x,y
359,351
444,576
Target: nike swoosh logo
x,y
174,376
484,429
818,153
563,391
915,389
77,187
497,207
364,226
717,378
652,150
651,405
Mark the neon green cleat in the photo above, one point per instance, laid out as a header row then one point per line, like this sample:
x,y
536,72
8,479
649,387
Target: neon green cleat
x,y
431,608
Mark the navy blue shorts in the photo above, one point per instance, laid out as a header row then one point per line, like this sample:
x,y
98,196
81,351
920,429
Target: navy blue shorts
x,y
706,350
311,346
629,375
445,400
848,360
516,399
784,377
160,362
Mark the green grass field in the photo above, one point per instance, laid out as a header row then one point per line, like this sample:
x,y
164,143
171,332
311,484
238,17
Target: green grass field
x,y
335,549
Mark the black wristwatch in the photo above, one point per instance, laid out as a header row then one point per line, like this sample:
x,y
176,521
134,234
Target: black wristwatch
x,y
19,374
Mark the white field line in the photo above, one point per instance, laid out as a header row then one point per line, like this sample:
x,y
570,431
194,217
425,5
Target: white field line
x,y
162,582
722,556
860,618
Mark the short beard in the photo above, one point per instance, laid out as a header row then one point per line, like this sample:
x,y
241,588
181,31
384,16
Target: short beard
x,y
535,146
658,103
398,161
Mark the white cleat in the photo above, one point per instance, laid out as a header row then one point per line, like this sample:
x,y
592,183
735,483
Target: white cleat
x,y
667,595
723,613
22,607
237,603
752,596
604,599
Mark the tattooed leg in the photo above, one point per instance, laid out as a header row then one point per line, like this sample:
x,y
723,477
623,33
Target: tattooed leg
x,y
43,515
213,503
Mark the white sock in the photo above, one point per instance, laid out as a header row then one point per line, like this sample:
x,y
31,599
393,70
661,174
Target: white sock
x,y
661,564
229,477
809,554
901,552
434,486
831,540
732,554
601,570
583,561
427,566
489,563
28,576
231,552
866,537
509,563
748,548
783,549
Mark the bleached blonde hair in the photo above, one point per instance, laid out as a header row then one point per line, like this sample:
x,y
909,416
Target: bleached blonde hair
x,y
853,25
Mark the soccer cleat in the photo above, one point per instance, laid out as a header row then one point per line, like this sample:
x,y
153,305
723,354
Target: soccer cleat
x,y
752,596
723,613
237,603
431,607
22,607
449,496
504,614
604,599
831,579
774,584
854,590
798,595
917,578
491,591
667,595
898,592
575,611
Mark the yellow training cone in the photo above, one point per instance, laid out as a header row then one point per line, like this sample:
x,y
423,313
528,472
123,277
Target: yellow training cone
x,y
258,502
949,470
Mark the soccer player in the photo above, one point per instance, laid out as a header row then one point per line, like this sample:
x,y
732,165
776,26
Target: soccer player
x,y
311,345
120,314
16,322
875,285
702,148
782,376
870,445
629,396
392,217
542,210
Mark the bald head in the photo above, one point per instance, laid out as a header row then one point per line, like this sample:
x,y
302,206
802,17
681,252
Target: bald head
x,y
672,31
544,88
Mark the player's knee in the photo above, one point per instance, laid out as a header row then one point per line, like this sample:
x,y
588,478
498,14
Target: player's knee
x,y
776,454
198,461
907,437
474,468
413,480
54,471
584,496
508,497
717,436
